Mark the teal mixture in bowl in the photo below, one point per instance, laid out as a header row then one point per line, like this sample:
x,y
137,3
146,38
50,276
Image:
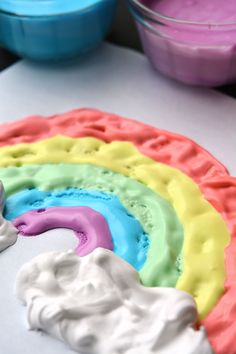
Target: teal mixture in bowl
x,y
54,30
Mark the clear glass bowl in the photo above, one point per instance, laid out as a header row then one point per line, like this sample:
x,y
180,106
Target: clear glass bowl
x,y
54,30
191,52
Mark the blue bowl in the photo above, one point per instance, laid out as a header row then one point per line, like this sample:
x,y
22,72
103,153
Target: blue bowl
x,y
56,37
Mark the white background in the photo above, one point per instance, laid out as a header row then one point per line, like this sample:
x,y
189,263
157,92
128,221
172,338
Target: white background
x,y
114,80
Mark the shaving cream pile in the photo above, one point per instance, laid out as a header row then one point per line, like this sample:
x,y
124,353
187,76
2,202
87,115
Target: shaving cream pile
x,y
97,305
157,200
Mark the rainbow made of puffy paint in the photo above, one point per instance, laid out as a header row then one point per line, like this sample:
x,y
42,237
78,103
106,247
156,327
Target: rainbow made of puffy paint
x,y
170,188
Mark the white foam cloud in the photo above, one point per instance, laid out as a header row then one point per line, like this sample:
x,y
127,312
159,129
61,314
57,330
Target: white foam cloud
x,y
97,305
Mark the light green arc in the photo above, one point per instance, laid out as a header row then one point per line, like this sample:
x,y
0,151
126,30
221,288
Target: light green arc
x,y
156,215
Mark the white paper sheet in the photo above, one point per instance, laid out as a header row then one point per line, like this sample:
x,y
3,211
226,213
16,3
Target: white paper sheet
x,y
121,81
115,80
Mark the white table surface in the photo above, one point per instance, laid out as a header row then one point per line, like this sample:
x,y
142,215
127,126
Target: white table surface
x,y
115,80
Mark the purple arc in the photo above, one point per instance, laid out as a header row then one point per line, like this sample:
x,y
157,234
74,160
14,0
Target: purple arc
x,y
89,226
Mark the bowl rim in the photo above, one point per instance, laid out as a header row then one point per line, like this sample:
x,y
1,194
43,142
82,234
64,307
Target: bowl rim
x,y
49,15
160,18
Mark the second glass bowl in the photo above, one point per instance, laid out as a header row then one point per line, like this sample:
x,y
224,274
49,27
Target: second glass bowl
x,y
194,53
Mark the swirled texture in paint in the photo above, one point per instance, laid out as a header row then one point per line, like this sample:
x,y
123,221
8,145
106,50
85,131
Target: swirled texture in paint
x,y
163,146
96,305
205,230
157,216
88,225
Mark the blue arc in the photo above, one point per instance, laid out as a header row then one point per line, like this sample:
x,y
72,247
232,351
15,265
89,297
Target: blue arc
x,y
129,239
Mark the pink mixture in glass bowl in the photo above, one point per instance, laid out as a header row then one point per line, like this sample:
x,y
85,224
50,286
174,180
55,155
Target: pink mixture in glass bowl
x,y
193,41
